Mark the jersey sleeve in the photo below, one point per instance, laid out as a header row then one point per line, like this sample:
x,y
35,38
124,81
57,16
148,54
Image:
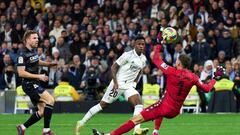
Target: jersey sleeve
x,y
145,62
203,86
160,63
20,60
122,59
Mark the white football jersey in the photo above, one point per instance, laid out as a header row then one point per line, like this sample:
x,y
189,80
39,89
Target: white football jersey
x,y
130,65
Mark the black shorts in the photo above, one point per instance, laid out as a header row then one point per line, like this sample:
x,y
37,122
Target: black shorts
x,y
33,89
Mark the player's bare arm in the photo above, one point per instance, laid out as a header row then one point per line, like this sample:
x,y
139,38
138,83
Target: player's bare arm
x,y
24,74
114,69
47,64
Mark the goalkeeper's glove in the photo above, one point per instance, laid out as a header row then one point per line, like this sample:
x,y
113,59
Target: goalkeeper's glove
x,y
220,71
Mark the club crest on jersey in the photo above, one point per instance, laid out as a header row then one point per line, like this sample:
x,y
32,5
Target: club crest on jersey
x,y
134,66
164,65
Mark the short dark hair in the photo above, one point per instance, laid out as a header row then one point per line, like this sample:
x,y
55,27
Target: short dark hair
x,y
27,34
185,60
64,77
139,37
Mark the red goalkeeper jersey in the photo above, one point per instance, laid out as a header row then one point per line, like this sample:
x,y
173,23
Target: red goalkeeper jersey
x,y
179,82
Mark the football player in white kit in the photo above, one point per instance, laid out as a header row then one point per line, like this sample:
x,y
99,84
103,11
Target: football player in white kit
x,y
126,72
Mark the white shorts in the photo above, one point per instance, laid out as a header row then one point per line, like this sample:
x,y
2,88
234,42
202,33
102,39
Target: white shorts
x,y
127,89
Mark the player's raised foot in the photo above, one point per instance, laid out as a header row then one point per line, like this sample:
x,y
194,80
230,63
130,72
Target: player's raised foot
x,y
20,130
50,132
78,126
96,132
141,131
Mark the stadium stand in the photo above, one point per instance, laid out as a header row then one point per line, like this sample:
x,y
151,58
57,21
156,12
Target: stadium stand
x,y
98,32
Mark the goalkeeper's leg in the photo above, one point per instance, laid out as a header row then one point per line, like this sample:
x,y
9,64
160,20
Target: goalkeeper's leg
x,y
157,124
135,99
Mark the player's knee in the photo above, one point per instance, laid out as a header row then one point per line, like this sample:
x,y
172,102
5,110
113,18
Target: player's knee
x,y
137,119
103,104
40,111
135,100
50,101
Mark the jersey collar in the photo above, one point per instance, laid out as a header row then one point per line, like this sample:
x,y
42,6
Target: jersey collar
x,y
135,53
30,50
63,83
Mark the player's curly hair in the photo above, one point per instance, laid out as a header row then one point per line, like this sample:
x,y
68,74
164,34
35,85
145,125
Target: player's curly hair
x,y
139,37
185,60
27,34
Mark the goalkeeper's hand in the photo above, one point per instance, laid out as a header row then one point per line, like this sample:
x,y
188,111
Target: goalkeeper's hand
x,y
161,38
219,72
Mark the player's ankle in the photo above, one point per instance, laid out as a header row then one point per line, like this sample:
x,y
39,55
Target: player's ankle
x,y
80,122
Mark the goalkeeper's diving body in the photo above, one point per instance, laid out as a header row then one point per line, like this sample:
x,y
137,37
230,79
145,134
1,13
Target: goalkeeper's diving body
x,y
179,82
126,72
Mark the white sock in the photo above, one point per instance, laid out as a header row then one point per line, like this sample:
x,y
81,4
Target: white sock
x,y
91,112
155,131
137,110
23,127
46,130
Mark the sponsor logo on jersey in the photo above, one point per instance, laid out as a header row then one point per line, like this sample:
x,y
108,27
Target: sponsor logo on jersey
x,y
134,68
33,58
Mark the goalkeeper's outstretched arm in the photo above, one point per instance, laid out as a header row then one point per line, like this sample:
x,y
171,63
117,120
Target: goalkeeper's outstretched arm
x,y
157,60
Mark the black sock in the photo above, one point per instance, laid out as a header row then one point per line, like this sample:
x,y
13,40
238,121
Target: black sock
x,y
47,115
33,119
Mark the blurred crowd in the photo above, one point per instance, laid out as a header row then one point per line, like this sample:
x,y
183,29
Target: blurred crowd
x,y
85,37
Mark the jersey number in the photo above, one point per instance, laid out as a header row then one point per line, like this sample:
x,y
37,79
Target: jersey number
x,y
113,93
180,84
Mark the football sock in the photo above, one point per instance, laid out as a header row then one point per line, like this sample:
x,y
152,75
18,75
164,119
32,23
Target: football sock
x,y
33,119
123,128
47,115
155,131
137,110
46,130
157,123
91,112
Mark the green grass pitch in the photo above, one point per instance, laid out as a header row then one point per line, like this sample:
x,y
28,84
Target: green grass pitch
x,y
187,124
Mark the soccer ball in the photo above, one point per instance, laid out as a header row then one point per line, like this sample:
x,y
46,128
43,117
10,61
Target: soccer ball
x,y
169,34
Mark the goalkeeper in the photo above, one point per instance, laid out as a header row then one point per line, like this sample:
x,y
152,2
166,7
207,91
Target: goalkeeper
x,y
179,82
